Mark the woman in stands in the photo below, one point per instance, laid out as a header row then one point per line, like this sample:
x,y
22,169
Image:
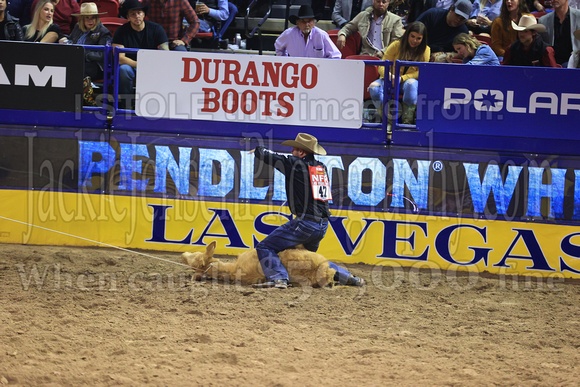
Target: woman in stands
x,y
474,52
89,31
412,46
502,33
42,28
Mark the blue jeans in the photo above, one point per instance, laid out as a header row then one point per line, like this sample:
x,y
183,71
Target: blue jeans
x,y
127,76
178,48
290,234
222,26
410,91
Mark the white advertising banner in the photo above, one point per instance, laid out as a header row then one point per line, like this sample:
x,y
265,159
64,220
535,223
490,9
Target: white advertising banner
x,y
250,88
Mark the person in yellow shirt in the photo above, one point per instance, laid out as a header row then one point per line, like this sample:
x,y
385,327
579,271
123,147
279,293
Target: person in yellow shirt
x,y
412,46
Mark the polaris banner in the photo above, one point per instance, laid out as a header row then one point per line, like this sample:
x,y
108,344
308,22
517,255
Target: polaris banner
x,y
46,77
510,101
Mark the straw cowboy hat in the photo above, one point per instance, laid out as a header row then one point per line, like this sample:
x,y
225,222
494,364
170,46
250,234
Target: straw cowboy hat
x,y
305,12
88,9
306,142
528,23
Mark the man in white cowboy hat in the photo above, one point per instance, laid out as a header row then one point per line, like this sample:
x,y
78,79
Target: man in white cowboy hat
x,y
529,49
305,40
308,193
377,27
560,26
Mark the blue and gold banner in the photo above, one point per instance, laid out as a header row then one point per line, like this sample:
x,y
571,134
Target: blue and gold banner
x,y
477,212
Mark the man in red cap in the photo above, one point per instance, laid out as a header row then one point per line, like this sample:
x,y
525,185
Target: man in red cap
x,y
308,194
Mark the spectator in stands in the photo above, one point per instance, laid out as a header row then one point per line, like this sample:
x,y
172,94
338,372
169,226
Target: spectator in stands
x,y
169,14
305,40
411,47
63,10
502,33
560,26
443,26
21,9
474,52
535,5
529,49
138,33
9,27
90,31
399,7
417,7
574,61
377,27
346,10
483,14
215,15
444,4
42,29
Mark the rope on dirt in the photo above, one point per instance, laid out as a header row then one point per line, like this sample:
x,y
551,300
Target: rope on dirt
x,y
100,243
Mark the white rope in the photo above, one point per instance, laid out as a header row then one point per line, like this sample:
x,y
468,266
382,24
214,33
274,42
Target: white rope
x,y
101,243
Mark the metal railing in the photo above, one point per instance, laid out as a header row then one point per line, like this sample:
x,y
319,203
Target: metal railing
x,y
258,28
107,68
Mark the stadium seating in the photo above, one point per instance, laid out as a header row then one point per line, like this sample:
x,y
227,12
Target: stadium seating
x,y
371,72
112,23
111,7
352,46
486,39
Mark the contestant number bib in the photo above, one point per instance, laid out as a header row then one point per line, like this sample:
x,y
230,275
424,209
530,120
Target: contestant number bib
x,y
320,184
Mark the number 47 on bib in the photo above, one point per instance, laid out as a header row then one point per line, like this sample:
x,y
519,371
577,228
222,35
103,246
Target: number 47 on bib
x,y
320,183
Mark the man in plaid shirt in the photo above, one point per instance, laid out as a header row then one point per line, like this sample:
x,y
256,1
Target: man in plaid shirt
x,y
170,14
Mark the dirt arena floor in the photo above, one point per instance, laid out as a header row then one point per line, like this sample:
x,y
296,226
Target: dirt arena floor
x,y
96,316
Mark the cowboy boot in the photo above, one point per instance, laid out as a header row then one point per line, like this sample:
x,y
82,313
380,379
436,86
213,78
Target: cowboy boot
x,y
88,93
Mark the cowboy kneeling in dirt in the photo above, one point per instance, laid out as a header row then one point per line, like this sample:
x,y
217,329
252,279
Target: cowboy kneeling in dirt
x,y
308,193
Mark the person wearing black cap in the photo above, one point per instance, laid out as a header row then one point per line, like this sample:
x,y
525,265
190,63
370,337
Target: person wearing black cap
x,y
305,40
308,193
443,26
138,33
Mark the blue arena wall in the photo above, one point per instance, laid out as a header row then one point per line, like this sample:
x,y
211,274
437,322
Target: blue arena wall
x,y
478,186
